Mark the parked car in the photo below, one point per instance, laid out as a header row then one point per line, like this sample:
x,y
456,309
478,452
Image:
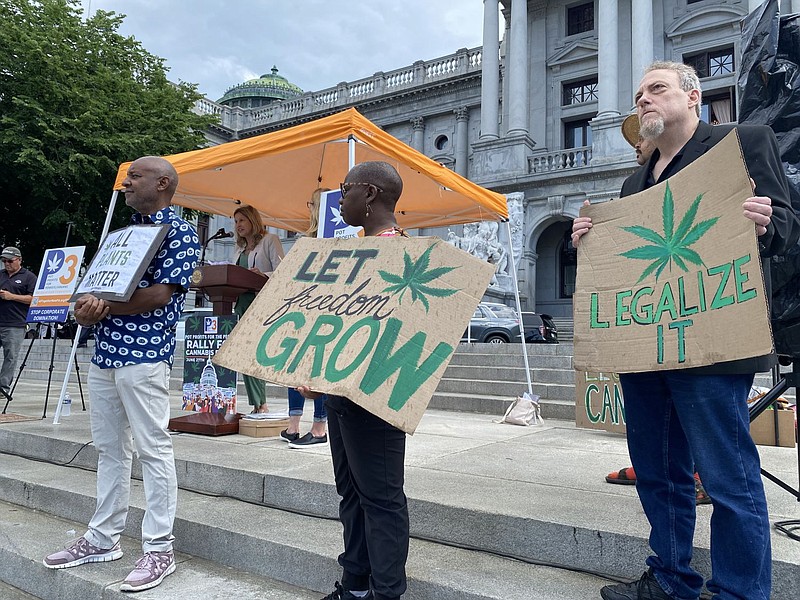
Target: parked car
x,y
539,328
180,328
493,323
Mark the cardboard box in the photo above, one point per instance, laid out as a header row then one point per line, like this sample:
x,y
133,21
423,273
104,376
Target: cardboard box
x,y
263,427
762,429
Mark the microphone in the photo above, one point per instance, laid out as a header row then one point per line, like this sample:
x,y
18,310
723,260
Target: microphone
x,y
221,233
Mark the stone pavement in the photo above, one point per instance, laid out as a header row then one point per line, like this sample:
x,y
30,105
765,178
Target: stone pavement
x,y
497,511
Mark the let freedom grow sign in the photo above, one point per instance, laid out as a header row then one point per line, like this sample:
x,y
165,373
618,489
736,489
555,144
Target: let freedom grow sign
x,y
671,277
373,319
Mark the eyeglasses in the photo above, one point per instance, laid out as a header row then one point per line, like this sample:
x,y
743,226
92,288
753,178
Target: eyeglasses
x,y
345,187
8,260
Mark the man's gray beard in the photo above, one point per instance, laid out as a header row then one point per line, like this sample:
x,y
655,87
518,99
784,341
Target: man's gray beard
x,y
653,128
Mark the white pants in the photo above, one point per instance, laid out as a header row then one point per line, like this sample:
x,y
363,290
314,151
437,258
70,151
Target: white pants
x,y
132,400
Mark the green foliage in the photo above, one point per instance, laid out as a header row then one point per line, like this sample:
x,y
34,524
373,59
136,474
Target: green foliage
x,y
673,246
76,100
415,277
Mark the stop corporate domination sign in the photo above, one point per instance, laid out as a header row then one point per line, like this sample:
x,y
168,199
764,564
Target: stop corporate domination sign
x,y
375,319
671,277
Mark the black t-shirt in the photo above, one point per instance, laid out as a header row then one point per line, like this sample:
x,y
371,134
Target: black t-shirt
x,y
23,283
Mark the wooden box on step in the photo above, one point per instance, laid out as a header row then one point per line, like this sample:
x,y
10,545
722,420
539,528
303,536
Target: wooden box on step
x,y
262,427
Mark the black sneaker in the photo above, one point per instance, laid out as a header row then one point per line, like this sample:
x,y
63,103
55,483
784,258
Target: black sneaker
x,y
289,437
647,588
309,440
342,594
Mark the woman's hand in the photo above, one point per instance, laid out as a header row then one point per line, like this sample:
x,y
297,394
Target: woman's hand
x,y
307,393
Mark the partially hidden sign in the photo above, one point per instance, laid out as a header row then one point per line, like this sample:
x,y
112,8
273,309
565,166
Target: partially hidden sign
x,y
57,279
671,277
374,319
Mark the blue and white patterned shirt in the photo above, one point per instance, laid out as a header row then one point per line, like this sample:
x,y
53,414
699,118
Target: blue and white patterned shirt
x,y
149,337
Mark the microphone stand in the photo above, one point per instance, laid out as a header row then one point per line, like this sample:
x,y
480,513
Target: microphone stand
x,y
220,234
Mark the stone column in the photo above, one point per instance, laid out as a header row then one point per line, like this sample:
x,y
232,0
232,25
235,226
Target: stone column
x,y
607,58
518,69
642,36
418,134
462,120
490,71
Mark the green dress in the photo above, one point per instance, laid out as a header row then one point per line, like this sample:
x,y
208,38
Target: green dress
x,y
256,388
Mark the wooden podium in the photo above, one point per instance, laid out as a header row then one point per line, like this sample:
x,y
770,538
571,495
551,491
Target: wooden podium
x,y
223,284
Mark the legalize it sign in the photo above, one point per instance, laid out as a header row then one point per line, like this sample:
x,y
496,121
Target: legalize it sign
x,y
373,319
671,277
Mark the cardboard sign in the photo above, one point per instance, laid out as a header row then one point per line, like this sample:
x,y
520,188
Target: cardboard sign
x,y
598,402
671,277
57,279
207,388
374,319
119,264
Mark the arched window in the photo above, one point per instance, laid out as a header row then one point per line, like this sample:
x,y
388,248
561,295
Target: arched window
x,y
568,267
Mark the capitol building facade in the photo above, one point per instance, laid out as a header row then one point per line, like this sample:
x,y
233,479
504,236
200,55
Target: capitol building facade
x,y
534,113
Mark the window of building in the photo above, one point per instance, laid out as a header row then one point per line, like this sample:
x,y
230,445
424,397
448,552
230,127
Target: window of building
x,y
577,134
578,92
441,142
712,64
569,266
718,108
580,18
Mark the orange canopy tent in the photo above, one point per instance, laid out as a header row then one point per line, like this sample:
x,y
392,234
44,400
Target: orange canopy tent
x,y
277,173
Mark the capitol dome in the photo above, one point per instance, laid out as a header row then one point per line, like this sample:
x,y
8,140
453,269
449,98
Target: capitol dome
x,y
267,89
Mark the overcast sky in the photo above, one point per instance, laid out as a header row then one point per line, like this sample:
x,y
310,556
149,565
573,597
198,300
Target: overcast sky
x,y
314,43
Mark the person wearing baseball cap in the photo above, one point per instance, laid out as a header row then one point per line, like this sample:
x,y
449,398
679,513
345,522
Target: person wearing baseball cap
x,y
16,293
630,131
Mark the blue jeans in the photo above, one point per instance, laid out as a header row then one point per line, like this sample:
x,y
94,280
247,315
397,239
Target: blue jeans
x,y
676,419
297,402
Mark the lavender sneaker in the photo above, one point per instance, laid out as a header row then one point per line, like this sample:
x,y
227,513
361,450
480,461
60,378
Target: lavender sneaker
x,y
149,572
79,553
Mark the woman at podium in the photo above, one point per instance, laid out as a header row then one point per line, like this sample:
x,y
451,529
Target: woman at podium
x,y
260,252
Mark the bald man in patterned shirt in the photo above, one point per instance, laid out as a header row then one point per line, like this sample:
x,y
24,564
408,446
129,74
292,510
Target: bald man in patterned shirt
x,y
129,387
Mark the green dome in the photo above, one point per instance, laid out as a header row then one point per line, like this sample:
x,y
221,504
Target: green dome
x,y
258,92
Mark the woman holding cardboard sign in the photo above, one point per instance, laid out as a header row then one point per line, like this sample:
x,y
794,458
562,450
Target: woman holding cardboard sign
x,y
368,453
260,252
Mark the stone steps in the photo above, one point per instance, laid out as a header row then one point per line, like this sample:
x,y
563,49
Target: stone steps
x,y
240,548
257,507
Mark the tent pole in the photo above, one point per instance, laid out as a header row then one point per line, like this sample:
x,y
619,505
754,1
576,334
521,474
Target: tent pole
x,y
519,307
106,226
351,151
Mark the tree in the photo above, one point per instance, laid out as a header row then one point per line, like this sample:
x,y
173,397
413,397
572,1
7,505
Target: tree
x,y
76,100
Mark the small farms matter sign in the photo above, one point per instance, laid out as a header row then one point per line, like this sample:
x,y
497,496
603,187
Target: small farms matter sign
x,y
119,264
375,319
671,277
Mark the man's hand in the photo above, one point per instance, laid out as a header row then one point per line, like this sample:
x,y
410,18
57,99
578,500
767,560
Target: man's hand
x,y
5,295
90,310
759,210
580,227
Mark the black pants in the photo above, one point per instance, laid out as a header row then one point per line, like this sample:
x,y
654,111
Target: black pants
x,y
368,465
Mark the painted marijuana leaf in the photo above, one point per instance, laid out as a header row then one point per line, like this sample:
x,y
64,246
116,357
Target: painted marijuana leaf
x,y
673,246
415,278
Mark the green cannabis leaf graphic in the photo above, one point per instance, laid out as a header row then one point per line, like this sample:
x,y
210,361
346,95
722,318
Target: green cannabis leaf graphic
x,y
415,277
673,246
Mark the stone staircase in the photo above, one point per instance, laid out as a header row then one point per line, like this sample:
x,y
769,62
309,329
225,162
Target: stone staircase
x,y
481,378
497,511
